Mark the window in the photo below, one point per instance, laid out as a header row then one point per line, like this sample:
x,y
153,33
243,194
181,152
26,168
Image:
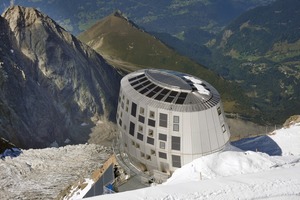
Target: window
x,y
120,122
163,120
127,102
223,128
131,128
148,157
176,119
162,155
150,140
137,145
142,111
133,109
140,128
151,122
141,119
176,127
132,143
122,104
162,137
125,127
175,143
219,110
142,154
152,152
176,161
152,114
162,145
150,132
140,136
175,123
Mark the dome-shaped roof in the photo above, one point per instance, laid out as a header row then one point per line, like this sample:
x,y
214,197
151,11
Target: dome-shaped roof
x,y
170,87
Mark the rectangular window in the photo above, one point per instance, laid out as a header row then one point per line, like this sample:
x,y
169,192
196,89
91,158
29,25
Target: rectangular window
x,y
151,122
152,114
176,123
120,122
176,161
219,111
175,143
162,137
141,119
163,120
150,140
176,119
133,109
223,128
142,154
150,133
148,157
152,152
162,155
140,128
162,145
176,127
137,145
131,128
140,136
142,111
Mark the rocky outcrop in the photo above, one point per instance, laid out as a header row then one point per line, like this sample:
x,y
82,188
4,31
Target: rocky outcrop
x,y
50,82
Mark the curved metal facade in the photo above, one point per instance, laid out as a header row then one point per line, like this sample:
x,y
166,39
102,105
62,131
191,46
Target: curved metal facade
x,y
167,119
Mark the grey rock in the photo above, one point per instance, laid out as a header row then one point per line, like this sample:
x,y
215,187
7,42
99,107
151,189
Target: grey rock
x,y
50,82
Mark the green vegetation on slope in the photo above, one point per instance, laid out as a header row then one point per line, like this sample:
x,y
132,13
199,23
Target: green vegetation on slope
x,y
261,51
126,46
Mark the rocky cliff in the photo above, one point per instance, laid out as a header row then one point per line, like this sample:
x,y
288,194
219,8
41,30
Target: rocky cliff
x,y
51,84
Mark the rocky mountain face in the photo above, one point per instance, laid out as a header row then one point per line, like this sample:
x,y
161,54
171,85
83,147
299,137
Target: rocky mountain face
x,y
53,87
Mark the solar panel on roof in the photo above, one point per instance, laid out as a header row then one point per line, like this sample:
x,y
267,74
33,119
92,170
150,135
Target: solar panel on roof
x,y
169,99
159,97
180,101
144,91
131,79
151,94
138,87
157,89
134,83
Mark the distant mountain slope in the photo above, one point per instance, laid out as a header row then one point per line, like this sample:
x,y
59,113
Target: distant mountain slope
x,y
126,46
158,16
261,51
50,82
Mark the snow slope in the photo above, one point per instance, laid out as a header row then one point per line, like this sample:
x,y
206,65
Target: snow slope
x,y
234,174
44,173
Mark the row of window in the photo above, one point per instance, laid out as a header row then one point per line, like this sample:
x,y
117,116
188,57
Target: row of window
x,y
176,160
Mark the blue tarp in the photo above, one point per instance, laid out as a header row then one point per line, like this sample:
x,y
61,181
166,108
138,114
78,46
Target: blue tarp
x,y
12,152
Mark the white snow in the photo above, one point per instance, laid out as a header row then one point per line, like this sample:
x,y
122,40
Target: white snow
x,y
233,174
44,173
197,83
79,194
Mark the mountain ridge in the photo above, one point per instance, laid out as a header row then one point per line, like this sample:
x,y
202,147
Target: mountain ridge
x,y
53,82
